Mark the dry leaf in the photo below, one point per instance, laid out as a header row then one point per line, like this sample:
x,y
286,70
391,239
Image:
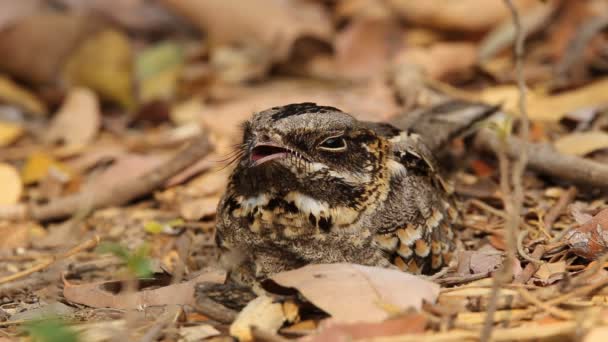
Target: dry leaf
x,y
125,168
10,183
582,143
17,235
78,121
196,209
462,15
590,240
442,59
597,334
272,25
263,313
13,94
96,294
104,64
330,331
197,333
9,133
363,49
549,108
157,69
550,272
53,33
11,11
38,165
332,287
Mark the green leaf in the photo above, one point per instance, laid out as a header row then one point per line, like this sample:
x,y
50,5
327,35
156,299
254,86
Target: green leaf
x,y
113,248
51,330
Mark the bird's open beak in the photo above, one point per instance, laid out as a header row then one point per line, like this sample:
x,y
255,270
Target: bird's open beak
x,y
267,151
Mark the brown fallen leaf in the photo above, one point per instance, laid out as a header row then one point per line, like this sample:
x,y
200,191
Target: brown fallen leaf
x,y
97,294
57,34
19,235
10,183
78,121
104,63
379,292
363,48
12,93
273,25
455,15
581,143
264,313
590,240
329,331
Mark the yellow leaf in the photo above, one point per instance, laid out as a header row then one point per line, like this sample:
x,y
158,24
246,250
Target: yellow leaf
x,y
10,183
104,64
157,70
12,93
548,108
9,133
580,144
38,165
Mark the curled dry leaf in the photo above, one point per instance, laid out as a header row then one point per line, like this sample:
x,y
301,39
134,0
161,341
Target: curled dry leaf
x,y
455,15
582,143
10,183
97,294
78,121
352,293
590,240
264,313
550,272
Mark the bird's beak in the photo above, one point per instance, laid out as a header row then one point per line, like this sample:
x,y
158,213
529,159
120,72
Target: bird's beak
x,y
263,152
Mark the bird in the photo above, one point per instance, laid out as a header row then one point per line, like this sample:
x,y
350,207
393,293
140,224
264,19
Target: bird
x,y
312,184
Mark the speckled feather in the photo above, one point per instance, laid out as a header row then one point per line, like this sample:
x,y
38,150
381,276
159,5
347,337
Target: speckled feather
x,y
377,199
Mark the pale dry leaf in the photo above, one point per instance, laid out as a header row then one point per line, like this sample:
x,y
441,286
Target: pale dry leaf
x,y
78,120
126,168
11,11
196,209
442,59
597,334
549,108
95,294
57,34
264,313
408,324
9,133
10,183
581,143
332,287
455,15
550,272
273,25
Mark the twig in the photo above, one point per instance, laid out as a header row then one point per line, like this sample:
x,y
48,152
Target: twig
x,y
544,159
513,191
520,248
557,312
214,310
117,195
83,246
562,203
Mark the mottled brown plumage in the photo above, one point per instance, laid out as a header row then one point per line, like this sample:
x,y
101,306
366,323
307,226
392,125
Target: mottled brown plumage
x,y
314,185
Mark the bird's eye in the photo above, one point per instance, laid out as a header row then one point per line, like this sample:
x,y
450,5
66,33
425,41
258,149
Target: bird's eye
x,y
333,144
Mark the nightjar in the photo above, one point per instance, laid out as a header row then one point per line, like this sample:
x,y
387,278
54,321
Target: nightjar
x,y
314,185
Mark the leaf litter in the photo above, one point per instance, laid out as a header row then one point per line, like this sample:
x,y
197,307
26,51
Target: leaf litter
x,y
124,85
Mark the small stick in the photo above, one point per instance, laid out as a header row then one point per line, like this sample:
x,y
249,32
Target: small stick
x,y
557,312
117,195
92,243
